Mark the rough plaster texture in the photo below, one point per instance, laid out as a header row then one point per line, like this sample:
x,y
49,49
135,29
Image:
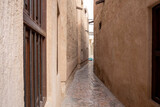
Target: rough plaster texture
x,y
84,36
11,53
79,21
72,37
74,20
53,80
68,38
123,49
62,39
91,47
11,46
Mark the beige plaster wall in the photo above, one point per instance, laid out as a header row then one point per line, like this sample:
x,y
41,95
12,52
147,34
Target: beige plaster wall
x,y
84,36
72,37
91,47
123,49
53,79
79,22
11,53
62,39
69,39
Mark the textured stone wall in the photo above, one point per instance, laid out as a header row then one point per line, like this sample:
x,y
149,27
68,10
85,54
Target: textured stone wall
x,y
84,36
72,37
123,49
79,22
11,53
69,39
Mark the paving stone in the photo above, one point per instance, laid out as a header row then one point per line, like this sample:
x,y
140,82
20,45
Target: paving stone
x,y
87,90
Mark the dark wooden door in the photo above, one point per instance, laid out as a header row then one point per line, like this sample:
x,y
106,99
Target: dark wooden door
x,y
34,16
156,54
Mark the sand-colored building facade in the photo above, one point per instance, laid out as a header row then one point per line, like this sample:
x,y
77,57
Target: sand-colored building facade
x,y
61,50
123,49
71,54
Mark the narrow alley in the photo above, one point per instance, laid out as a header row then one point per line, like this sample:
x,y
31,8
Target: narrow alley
x,y
79,53
87,90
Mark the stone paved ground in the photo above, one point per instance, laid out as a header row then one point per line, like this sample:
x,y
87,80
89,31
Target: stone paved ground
x,y
87,90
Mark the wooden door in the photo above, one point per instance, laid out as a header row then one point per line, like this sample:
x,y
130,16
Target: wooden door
x,y
156,54
34,16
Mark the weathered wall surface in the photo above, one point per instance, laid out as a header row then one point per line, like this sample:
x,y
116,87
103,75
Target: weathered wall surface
x,y
84,36
11,46
11,53
67,40
82,32
79,21
91,47
123,49
62,39
72,37
53,79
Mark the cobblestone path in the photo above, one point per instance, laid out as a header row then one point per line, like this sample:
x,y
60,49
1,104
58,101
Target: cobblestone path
x,y
87,90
